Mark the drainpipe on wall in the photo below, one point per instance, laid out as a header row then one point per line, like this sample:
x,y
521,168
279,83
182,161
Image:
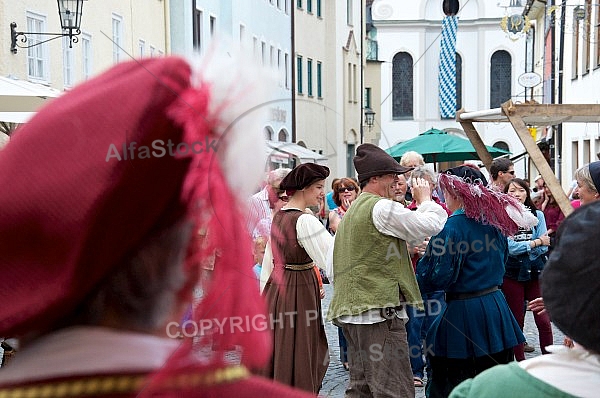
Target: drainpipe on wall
x,y
561,56
293,67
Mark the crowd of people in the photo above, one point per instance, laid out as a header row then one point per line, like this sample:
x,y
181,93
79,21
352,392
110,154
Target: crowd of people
x,y
167,276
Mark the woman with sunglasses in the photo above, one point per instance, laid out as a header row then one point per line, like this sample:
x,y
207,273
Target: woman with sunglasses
x,y
345,191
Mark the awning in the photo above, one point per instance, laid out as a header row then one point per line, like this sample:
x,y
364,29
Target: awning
x,y
276,156
16,117
23,96
304,155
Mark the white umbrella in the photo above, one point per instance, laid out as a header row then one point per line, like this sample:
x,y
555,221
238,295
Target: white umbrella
x,y
23,96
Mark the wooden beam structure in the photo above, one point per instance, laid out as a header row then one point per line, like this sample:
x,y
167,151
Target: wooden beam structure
x,y
532,114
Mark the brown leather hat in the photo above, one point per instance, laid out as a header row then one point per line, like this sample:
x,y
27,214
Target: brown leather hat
x,y
303,175
371,161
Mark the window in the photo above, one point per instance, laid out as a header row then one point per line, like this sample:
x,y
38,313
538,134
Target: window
x,y
575,155
586,151
458,81
597,24
500,78
37,56
299,4
86,50
319,80
282,136
587,35
279,68
350,149
152,52
197,29
309,81
255,46
354,84
319,14
349,82
501,145
212,26
68,78
575,58
309,6
349,16
299,72
272,56
268,133
263,53
286,65
117,37
142,48
368,97
242,33
402,86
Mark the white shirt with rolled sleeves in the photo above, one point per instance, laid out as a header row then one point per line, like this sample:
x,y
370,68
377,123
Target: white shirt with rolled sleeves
x,y
393,219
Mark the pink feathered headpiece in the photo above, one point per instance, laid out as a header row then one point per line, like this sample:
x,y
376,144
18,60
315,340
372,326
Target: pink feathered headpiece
x,y
485,205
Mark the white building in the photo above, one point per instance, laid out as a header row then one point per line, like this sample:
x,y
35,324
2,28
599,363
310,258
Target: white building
x,y
488,65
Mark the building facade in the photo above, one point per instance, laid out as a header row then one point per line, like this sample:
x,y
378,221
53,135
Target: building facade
x,y
488,63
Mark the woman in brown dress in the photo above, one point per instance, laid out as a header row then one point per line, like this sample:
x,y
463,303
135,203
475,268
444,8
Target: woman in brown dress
x,y
298,242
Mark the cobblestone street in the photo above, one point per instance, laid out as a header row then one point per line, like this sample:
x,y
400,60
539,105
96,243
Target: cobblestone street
x,y
336,377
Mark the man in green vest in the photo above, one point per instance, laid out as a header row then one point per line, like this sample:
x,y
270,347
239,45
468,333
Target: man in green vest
x,y
374,277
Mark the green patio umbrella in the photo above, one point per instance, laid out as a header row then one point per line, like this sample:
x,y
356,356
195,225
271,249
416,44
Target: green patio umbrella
x,y
439,146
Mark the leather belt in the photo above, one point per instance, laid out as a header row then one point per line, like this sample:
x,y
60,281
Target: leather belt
x,y
468,295
390,312
299,267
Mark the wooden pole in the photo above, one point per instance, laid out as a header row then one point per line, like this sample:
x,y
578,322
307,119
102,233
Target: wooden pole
x,y
475,139
538,159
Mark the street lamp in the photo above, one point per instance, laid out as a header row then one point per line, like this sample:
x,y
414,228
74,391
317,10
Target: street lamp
x,y
369,117
579,13
69,12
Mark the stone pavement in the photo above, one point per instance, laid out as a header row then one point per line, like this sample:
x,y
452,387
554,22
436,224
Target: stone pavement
x,y
336,378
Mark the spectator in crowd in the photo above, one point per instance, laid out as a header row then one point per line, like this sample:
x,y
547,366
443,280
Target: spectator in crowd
x,y
466,259
260,244
400,190
115,257
329,197
588,182
419,321
373,276
537,198
262,203
502,171
298,243
346,191
552,212
411,159
526,258
569,284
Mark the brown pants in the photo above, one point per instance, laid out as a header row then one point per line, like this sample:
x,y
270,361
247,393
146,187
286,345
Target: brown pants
x,y
378,359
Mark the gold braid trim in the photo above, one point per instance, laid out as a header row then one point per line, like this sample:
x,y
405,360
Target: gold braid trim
x,y
99,385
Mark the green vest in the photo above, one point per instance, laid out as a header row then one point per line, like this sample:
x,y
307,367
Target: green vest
x,y
370,269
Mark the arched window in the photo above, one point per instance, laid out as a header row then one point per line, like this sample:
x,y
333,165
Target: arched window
x,y
501,145
268,133
402,86
458,81
282,136
500,78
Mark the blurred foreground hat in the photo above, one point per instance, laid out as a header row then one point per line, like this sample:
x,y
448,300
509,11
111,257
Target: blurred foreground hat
x,y
570,281
120,157
372,161
595,173
303,175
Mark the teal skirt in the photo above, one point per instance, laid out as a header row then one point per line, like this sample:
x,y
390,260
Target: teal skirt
x,y
474,327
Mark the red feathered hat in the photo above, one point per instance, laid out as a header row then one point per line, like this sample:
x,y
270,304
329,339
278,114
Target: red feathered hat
x,y
121,156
